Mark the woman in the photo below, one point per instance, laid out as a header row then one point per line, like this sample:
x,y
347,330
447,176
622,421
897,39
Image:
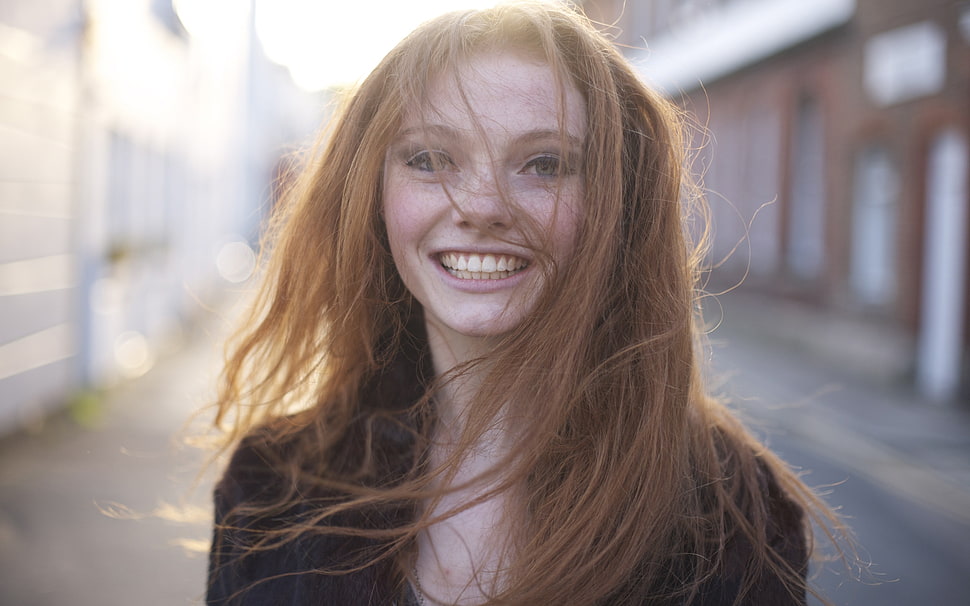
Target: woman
x,y
471,375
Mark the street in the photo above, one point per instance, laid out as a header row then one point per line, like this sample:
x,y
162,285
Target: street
x,y
96,515
917,556
895,467
90,515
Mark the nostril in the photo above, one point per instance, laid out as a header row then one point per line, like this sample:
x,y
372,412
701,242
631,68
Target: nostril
x,y
483,223
484,226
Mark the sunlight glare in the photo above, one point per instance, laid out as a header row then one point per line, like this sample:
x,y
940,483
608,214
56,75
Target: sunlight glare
x,y
326,44
208,18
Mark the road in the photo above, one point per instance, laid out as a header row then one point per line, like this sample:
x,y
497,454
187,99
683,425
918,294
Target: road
x,y
896,467
110,512
918,557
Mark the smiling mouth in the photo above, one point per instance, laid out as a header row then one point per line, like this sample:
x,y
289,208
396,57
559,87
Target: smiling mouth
x,y
471,266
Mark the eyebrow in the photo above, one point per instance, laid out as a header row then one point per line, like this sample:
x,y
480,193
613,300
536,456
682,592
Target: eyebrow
x,y
530,136
547,134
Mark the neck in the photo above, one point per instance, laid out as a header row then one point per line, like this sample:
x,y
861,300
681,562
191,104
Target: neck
x,y
456,396
450,350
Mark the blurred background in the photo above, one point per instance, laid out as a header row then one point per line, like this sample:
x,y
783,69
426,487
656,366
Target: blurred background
x,y
835,157
141,142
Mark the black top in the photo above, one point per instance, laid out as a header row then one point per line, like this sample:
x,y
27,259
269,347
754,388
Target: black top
x,y
285,576
289,575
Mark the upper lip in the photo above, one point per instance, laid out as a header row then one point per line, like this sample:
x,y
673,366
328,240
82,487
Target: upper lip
x,y
472,250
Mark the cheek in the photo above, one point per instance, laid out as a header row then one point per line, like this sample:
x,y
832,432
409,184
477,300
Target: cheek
x,y
398,217
400,236
408,224
393,222
395,234
566,226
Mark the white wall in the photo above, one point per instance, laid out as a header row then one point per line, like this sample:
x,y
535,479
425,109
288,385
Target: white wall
x,y
131,151
38,264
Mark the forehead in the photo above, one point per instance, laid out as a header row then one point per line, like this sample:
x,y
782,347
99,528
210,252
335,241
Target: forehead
x,y
502,91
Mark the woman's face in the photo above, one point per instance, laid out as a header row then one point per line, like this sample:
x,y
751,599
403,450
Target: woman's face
x,y
503,137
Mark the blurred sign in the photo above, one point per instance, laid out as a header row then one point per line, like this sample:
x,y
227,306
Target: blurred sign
x,y
905,63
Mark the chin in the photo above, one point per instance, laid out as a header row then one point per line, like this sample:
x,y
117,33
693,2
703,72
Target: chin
x,y
480,328
489,331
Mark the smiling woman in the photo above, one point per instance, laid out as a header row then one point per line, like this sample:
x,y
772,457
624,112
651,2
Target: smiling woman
x,y
471,375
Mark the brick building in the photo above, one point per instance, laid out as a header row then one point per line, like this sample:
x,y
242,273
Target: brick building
x,y
835,151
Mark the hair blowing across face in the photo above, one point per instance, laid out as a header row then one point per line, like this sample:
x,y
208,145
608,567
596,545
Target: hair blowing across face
x,y
633,476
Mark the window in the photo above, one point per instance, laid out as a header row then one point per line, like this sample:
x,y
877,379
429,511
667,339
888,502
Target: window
x,y
872,272
806,218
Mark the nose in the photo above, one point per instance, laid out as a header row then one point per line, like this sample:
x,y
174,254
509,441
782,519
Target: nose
x,y
480,204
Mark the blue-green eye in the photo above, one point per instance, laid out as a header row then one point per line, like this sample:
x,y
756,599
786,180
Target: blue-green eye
x,y
543,166
430,161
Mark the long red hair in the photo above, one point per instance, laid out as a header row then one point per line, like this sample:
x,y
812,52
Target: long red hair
x,y
631,470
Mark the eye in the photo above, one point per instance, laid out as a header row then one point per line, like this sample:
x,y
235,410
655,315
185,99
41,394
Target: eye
x,y
543,166
430,161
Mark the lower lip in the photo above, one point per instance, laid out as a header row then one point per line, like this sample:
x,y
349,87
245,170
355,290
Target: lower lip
x,y
481,285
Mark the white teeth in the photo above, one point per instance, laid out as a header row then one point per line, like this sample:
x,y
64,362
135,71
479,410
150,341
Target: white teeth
x,y
488,263
481,267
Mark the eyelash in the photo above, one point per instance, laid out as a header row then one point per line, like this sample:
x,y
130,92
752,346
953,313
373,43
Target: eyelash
x,y
430,161
535,165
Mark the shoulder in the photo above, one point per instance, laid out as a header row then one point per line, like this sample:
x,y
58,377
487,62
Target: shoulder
x,y
269,548
759,483
253,475
274,537
764,554
237,565
786,530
